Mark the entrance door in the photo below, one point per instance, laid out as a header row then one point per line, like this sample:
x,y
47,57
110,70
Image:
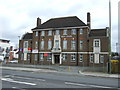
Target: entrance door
x,y
57,59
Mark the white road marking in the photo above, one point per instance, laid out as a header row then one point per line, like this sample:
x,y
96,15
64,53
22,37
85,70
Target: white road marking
x,y
11,80
14,87
28,78
70,83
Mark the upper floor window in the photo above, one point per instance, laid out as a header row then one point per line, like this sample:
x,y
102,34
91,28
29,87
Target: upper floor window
x,y
42,33
25,44
36,45
49,44
64,56
97,43
73,57
91,58
49,33
64,44
81,58
81,44
42,44
73,31
81,31
57,32
65,32
57,43
36,33
73,44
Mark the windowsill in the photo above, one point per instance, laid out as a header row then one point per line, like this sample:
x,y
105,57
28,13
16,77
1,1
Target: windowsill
x,y
73,61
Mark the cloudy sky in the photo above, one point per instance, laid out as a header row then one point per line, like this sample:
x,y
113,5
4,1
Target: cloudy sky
x,y
19,16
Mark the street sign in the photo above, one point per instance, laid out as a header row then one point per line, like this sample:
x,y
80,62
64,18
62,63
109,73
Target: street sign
x,y
45,54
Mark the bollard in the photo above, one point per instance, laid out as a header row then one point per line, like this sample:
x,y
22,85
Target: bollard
x,y
69,69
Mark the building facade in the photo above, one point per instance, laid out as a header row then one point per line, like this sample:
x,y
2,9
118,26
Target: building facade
x,y
4,49
65,41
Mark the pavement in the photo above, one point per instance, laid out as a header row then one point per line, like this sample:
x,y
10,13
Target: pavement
x,y
69,70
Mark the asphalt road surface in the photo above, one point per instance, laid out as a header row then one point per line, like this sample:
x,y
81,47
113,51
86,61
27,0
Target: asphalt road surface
x,y
23,79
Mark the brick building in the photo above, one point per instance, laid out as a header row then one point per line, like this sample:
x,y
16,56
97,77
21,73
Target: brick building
x,y
65,41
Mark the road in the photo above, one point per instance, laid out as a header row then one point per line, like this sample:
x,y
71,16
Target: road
x,y
24,79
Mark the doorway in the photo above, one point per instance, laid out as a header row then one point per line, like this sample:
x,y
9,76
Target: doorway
x,y
57,59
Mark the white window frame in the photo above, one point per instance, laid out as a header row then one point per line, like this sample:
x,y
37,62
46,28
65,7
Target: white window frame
x,y
35,57
81,30
102,59
91,58
36,33
73,57
25,44
28,57
49,57
42,33
50,33
65,32
81,57
36,44
81,44
64,57
65,44
42,45
73,31
41,57
57,32
73,44
49,44
57,44
96,42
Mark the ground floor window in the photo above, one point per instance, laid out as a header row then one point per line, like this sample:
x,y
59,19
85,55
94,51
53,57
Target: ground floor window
x,y
91,58
73,57
41,57
28,57
81,58
64,57
101,58
49,57
35,57
22,56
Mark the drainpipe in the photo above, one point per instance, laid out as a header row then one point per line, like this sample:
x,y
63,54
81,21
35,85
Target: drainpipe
x,y
38,46
77,38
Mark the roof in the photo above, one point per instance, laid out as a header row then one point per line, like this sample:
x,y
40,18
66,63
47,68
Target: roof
x,y
72,21
27,36
98,32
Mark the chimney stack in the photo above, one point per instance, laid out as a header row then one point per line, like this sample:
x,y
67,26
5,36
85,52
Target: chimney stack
x,y
89,20
38,21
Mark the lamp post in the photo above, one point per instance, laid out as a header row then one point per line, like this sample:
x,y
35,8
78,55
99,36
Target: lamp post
x,y
109,67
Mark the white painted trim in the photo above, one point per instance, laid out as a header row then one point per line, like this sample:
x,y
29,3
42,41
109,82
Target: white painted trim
x,y
69,52
45,52
86,52
60,59
53,59
79,52
59,28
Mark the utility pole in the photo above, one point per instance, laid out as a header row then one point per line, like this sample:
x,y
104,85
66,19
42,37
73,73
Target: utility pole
x,y
109,66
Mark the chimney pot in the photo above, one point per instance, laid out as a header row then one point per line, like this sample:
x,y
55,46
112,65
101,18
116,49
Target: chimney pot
x,y
38,21
89,20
